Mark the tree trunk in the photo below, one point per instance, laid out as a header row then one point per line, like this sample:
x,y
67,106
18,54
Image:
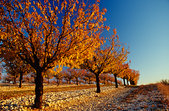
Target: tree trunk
x,y
124,82
127,82
20,79
58,82
132,82
97,83
48,81
104,81
38,90
115,77
69,81
107,81
77,81
85,81
89,81
28,80
14,80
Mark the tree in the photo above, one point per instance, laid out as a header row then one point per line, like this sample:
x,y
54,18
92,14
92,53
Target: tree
x,y
32,77
89,77
126,75
76,73
23,70
7,79
10,67
119,82
134,77
48,75
103,78
110,79
15,66
117,71
58,77
105,59
83,77
53,33
27,78
68,75
123,73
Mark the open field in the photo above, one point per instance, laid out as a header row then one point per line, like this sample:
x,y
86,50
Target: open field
x,y
84,97
7,90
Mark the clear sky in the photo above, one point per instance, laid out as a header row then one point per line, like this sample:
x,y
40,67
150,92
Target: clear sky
x,y
144,26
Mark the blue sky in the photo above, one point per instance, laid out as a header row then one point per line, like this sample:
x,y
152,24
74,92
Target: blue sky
x,y
144,26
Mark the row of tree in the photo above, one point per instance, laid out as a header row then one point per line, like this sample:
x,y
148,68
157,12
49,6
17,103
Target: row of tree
x,y
42,36
77,76
69,76
14,71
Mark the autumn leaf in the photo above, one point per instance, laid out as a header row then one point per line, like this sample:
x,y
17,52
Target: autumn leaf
x,y
114,31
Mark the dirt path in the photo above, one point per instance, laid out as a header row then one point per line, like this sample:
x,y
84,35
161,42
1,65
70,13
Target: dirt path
x,y
144,98
100,101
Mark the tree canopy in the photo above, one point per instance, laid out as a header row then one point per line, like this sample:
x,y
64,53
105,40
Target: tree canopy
x,y
52,33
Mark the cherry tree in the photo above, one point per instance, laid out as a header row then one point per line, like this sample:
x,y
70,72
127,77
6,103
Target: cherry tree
x,y
46,34
134,77
106,59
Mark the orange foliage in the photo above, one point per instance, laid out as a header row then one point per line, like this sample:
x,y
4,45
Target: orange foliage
x,y
134,77
38,38
106,59
47,34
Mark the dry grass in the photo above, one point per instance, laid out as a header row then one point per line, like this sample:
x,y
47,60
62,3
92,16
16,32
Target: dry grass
x,y
165,82
164,89
7,92
11,87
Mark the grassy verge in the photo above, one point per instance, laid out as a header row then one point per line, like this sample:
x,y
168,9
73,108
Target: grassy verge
x,y
16,92
163,87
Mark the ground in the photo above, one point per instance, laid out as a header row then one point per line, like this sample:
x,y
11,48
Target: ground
x,y
84,98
